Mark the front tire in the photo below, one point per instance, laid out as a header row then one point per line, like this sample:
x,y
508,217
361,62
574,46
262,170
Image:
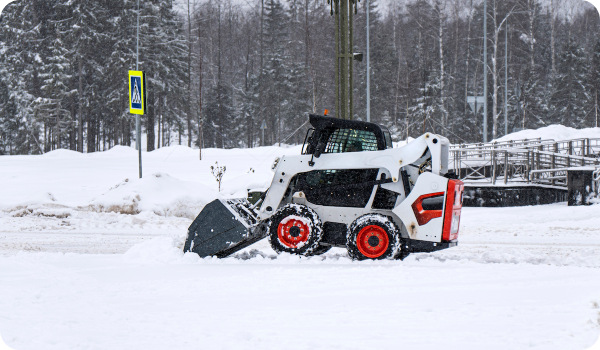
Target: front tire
x,y
296,229
374,237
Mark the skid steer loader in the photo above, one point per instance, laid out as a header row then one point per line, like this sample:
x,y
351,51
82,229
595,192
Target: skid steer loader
x,y
349,188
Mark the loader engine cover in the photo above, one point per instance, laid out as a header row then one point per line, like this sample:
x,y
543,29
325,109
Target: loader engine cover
x,y
223,227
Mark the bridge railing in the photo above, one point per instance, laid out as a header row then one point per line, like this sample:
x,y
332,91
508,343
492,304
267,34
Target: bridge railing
x,y
528,165
585,147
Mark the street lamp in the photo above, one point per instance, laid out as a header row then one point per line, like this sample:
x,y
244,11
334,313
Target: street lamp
x,y
506,77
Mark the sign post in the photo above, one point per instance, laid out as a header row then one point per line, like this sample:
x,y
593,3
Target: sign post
x,y
137,106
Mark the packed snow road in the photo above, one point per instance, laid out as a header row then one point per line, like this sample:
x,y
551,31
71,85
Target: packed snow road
x,y
61,290
90,258
127,302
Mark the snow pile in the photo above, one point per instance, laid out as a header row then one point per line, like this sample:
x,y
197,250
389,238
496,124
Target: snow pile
x,y
39,204
159,193
39,199
159,249
76,179
117,151
62,154
553,132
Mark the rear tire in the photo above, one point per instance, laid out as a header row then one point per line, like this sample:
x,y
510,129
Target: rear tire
x,y
375,237
296,229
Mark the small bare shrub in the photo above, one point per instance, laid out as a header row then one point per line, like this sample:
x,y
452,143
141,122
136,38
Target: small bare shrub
x,y
218,172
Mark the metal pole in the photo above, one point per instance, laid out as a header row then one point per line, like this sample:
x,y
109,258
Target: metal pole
x,y
138,126
338,105
368,70
506,80
485,92
350,60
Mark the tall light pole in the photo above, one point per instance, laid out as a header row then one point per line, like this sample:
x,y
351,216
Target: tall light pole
x,y
506,80
506,74
344,44
485,68
368,69
138,126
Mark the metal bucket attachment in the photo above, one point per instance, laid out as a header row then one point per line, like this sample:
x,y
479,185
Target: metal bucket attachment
x,y
222,228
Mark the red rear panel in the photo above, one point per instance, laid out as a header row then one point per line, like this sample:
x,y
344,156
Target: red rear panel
x,y
452,210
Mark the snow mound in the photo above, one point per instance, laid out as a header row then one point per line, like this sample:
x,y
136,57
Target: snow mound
x,y
159,193
553,132
159,249
39,204
63,154
115,152
174,152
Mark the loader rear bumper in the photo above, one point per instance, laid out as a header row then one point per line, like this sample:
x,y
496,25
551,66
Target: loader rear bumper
x,y
428,247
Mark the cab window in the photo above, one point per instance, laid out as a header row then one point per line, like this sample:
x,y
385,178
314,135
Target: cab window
x,y
388,139
350,140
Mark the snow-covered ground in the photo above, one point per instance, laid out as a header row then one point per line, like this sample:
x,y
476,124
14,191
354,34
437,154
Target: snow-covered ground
x,y
90,258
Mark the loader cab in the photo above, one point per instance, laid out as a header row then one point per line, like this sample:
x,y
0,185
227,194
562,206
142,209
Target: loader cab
x,y
332,135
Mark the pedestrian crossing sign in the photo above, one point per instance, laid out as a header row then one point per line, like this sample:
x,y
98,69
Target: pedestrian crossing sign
x,y
137,92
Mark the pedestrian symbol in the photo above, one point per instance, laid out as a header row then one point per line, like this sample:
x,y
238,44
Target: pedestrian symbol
x,y
137,92
136,99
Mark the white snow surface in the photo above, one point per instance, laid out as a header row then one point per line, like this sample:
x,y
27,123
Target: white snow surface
x,y
91,261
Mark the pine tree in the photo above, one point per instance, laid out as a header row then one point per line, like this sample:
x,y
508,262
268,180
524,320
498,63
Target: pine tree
x,y
571,92
276,73
594,85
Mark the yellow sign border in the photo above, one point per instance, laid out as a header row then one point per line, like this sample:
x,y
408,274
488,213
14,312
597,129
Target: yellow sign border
x,y
140,74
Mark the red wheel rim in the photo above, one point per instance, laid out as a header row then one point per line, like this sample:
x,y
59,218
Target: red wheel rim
x,y
293,233
372,241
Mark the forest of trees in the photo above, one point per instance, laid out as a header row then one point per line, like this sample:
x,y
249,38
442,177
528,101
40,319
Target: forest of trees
x,y
218,69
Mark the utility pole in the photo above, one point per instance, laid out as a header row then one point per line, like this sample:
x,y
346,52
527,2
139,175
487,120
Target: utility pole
x,y
506,80
344,44
368,69
138,126
485,68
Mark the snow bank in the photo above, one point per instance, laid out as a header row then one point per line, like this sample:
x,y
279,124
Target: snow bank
x,y
553,132
159,249
39,204
115,152
159,193
62,154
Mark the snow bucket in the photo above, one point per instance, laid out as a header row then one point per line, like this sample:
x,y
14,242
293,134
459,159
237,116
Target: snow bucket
x,y
222,228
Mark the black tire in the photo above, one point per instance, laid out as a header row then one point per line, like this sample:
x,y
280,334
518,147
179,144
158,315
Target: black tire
x,y
298,241
378,238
